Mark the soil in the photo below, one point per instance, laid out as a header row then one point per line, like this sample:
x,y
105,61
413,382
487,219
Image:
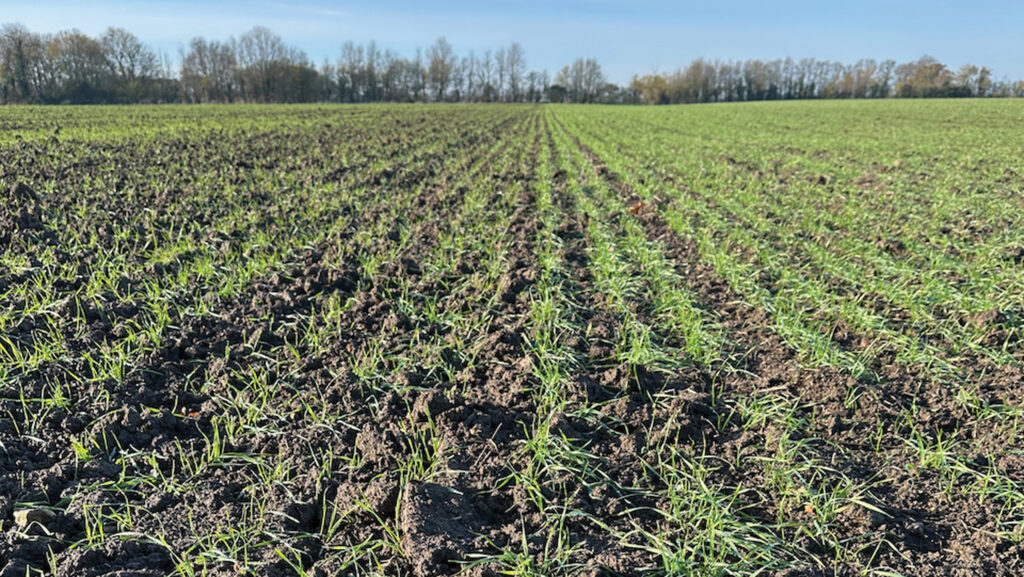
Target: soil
x,y
936,533
169,402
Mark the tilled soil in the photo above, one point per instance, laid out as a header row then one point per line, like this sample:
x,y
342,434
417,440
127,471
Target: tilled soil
x,y
269,502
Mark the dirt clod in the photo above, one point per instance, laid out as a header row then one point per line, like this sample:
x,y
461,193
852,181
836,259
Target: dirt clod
x,y
439,525
23,518
21,192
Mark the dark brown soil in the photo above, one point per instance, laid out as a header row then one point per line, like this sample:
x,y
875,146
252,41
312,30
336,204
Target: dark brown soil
x,y
468,410
934,532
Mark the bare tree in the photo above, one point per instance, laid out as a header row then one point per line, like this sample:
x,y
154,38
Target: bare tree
x,y
469,66
515,65
416,76
545,82
881,86
441,64
208,71
457,90
582,80
328,78
195,71
485,77
392,73
259,52
501,65
129,59
350,72
370,69
79,65
532,86
21,54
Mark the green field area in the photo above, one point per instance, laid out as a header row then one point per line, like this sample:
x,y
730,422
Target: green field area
x,y
778,338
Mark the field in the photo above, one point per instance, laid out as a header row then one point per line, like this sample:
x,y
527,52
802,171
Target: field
x,y
775,339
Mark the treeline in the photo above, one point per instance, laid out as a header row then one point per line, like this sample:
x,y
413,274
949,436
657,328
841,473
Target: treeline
x,y
258,66
705,81
73,67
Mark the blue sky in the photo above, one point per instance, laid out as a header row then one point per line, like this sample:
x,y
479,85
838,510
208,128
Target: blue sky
x,y
640,36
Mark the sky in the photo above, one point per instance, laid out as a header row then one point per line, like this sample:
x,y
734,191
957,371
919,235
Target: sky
x,y
626,37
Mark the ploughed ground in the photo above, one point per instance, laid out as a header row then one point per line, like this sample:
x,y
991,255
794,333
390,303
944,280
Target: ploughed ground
x,y
466,409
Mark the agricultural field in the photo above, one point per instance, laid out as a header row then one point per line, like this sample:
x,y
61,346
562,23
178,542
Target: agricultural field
x,y
770,338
